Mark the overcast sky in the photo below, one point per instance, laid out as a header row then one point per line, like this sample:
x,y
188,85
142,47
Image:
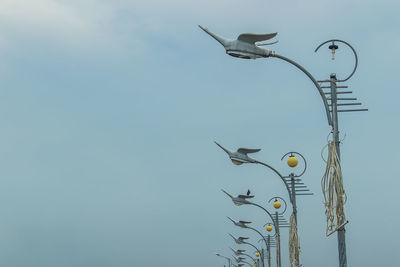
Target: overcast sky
x,y
109,111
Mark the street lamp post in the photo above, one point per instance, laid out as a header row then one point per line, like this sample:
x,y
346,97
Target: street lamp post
x,y
245,47
229,260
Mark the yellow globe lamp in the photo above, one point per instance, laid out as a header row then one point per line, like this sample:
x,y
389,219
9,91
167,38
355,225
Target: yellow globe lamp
x,y
292,161
277,204
269,228
257,254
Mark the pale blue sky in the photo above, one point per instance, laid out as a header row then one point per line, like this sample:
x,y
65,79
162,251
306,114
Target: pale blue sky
x,y
109,111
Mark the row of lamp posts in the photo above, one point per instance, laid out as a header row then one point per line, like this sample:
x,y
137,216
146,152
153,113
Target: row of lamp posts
x,y
294,187
247,46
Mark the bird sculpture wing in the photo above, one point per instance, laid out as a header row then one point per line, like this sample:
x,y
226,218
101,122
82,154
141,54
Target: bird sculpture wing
x,y
248,150
245,196
244,222
253,38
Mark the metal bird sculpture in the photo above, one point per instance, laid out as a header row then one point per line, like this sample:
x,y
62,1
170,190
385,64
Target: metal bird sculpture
x,y
240,199
238,252
240,156
239,240
240,223
245,45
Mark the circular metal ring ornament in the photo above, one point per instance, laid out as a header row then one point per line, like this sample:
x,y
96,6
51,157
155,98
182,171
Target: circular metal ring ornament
x,y
354,52
269,233
284,201
297,153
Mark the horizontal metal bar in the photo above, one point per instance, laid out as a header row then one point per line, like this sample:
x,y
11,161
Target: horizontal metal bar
x,y
341,86
343,98
302,190
338,93
305,194
350,110
300,186
346,104
324,81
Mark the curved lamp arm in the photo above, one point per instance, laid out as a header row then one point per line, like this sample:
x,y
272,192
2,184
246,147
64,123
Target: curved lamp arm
x,y
247,263
312,79
269,214
247,243
250,256
280,175
219,255
266,243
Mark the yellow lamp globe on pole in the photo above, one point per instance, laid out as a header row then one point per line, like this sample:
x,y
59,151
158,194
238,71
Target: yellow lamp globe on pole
x,y
292,161
257,254
269,228
277,204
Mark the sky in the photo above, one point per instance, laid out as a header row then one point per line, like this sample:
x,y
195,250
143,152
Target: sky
x,y
109,111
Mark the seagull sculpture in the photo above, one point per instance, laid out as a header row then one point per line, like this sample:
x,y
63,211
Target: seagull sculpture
x,y
238,252
239,240
245,45
240,156
240,223
240,199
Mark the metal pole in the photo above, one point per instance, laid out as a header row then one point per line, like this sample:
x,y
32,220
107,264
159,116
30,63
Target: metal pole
x,y
293,197
335,130
294,205
278,242
262,255
269,251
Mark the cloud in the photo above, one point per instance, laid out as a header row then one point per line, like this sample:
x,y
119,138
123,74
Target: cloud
x,y
44,17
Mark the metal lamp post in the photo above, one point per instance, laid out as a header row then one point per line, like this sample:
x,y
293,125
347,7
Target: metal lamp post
x,y
229,260
245,47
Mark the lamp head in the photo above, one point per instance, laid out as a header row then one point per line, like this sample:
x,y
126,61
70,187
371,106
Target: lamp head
x,y
245,45
240,156
239,200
